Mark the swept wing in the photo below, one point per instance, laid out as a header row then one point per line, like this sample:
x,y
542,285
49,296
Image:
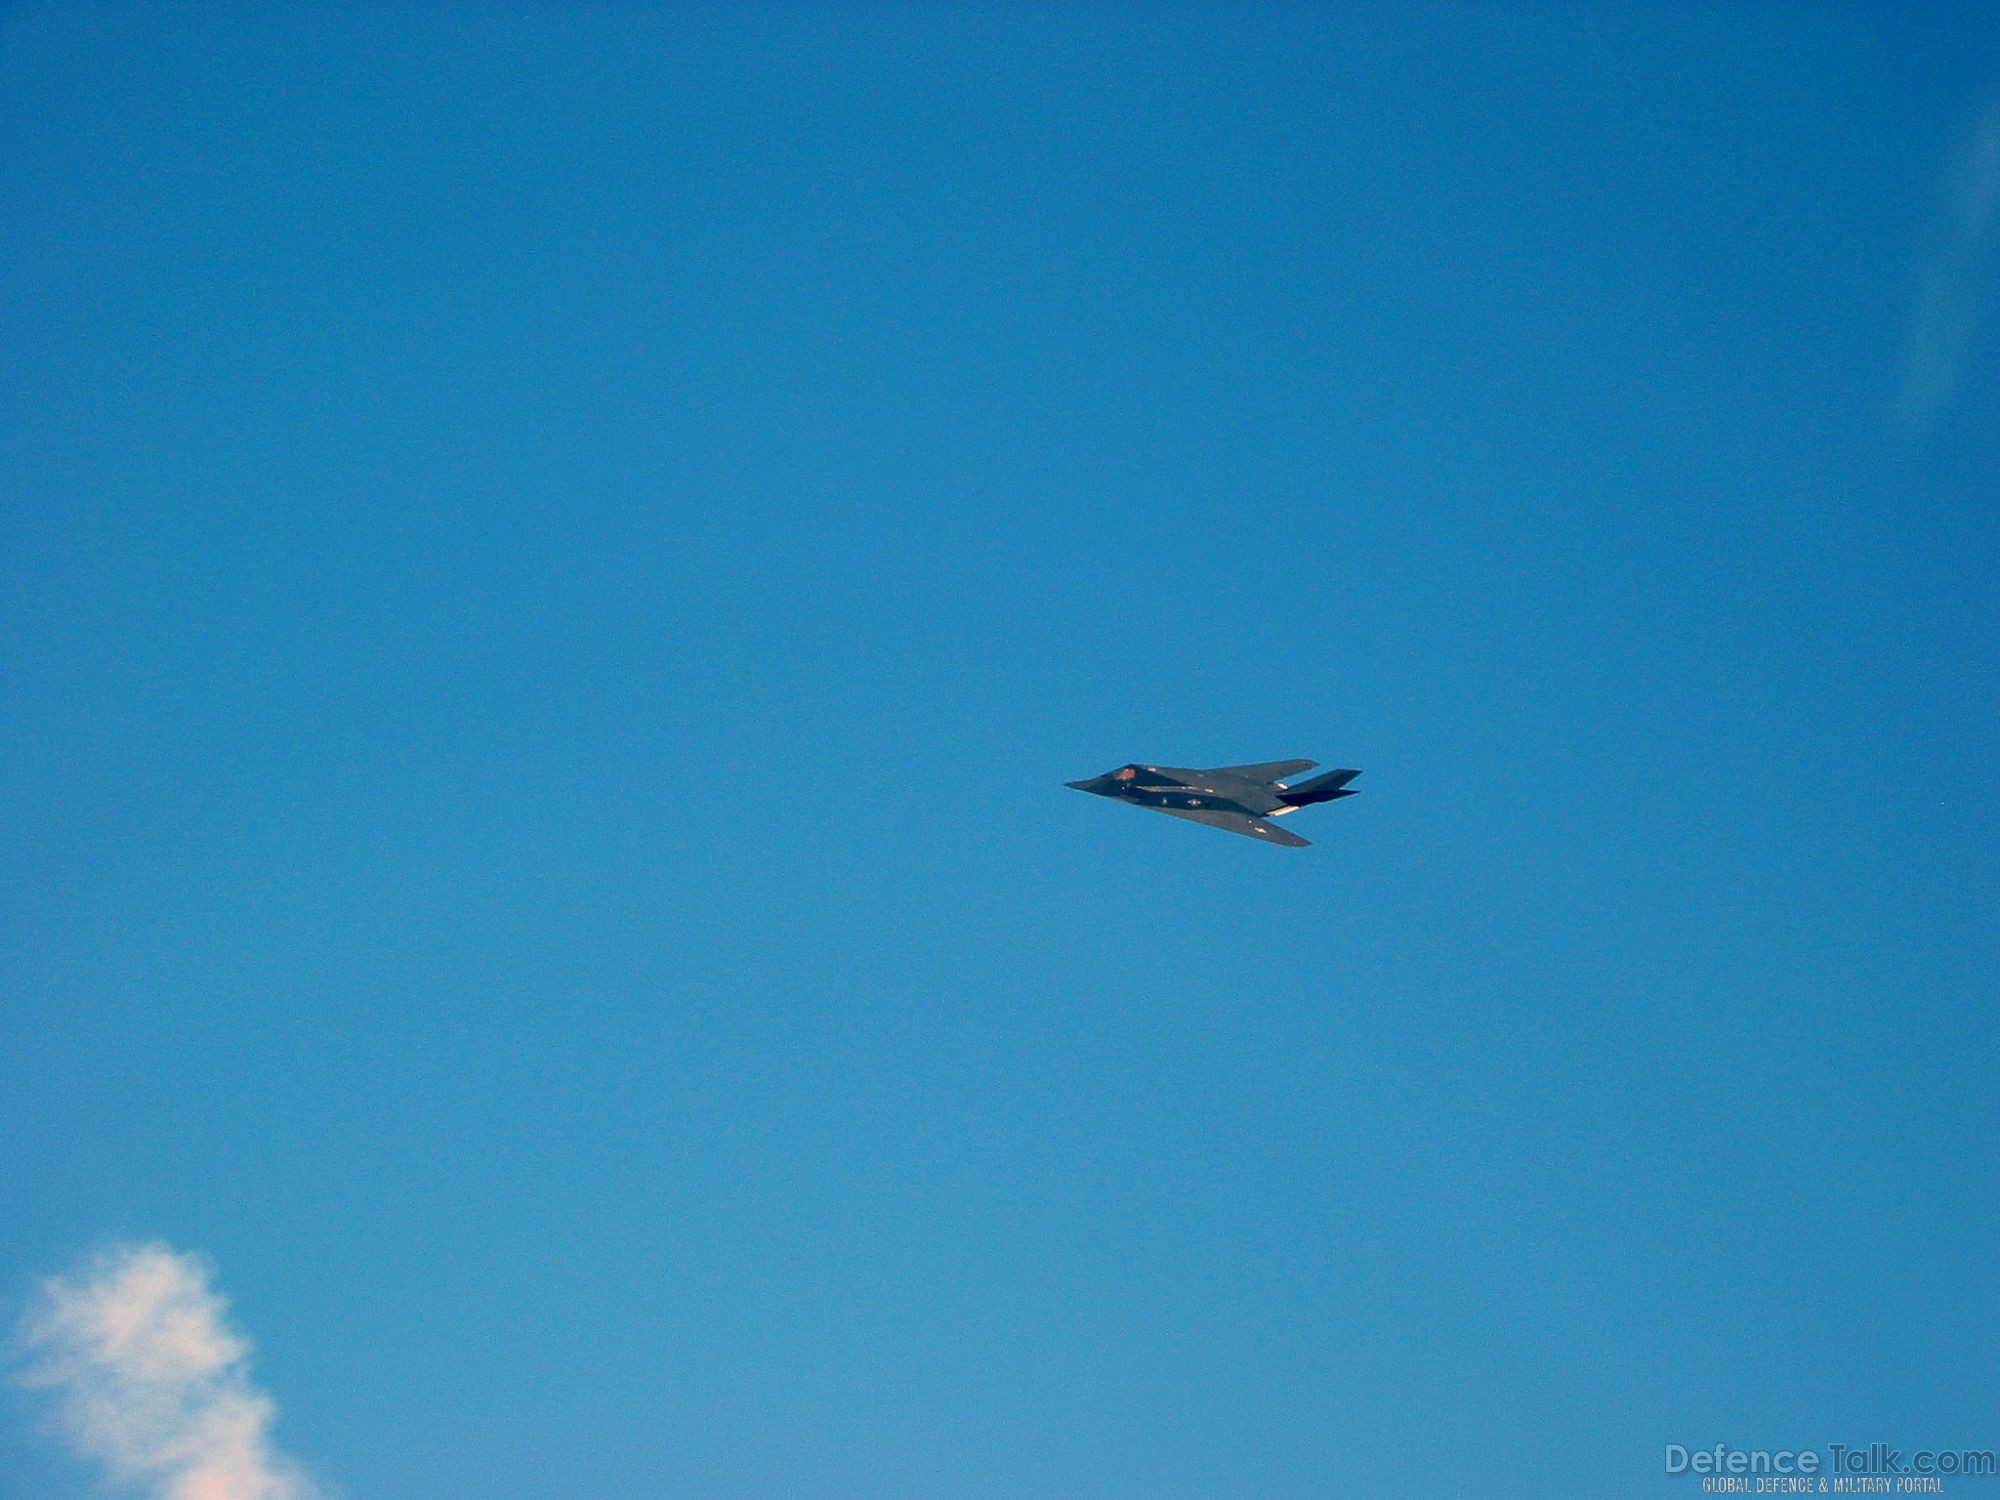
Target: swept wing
x,y
1265,772
1235,822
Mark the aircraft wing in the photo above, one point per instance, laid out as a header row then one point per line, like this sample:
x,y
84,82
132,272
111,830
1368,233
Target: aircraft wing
x,y
1236,822
1265,772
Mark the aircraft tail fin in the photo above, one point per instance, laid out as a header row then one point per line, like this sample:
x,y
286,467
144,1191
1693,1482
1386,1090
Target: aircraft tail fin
x,y
1320,789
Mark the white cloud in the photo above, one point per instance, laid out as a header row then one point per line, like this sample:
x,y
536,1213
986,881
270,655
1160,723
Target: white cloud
x,y
149,1380
1957,277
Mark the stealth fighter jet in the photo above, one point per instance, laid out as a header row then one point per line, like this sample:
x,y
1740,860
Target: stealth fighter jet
x,y
1238,798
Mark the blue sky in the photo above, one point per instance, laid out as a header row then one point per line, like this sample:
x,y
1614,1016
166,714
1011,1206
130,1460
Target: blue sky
x,y
557,560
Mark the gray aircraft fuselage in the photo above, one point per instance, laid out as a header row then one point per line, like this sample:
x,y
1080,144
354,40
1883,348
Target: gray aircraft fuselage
x,y
1239,799
1176,786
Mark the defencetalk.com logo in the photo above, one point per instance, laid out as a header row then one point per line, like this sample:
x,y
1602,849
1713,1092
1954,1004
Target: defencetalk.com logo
x,y
1876,1469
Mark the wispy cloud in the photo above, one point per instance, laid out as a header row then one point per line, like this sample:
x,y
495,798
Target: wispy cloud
x,y
1956,282
148,1379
